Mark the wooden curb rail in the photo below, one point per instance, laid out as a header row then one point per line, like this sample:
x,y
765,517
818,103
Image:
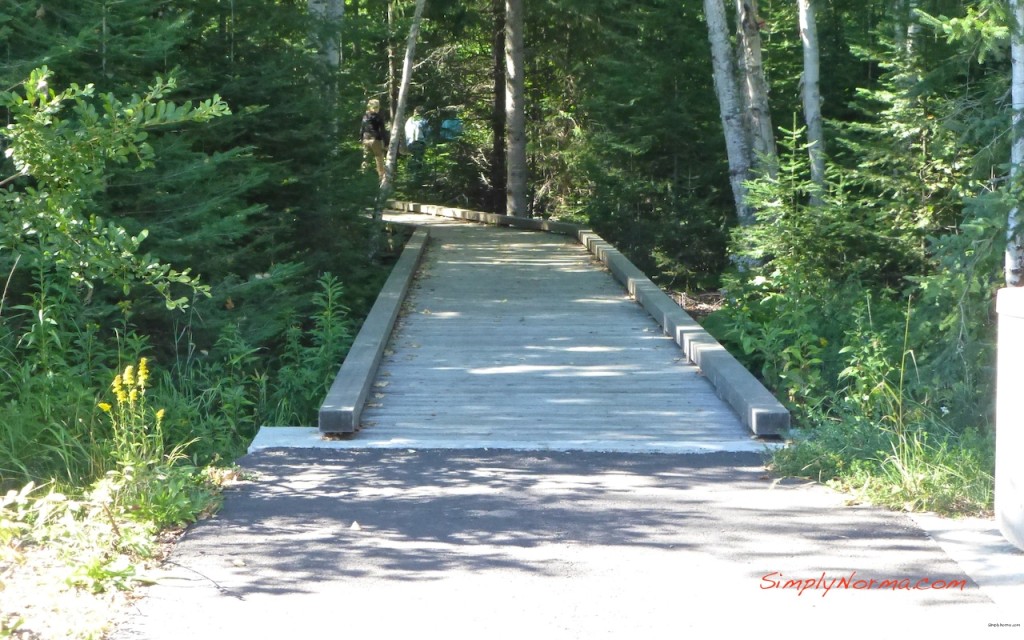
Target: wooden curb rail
x,y
341,410
758,409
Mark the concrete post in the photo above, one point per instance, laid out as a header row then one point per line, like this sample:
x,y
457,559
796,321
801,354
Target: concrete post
x,y
1010,416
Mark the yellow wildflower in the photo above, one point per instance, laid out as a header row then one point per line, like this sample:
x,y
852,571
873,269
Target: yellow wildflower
x,y
143,373
133,395
159,416
129,376
104,407
118,387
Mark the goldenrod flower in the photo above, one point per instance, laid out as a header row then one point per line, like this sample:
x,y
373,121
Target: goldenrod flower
x,y
129,376
104,407
159,416
118,387
143,373
133,396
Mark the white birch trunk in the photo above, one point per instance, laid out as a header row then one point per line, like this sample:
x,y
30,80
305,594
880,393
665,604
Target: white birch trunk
x,y
913,28
398,121
1014,262
515,110
755,87
900,24
331,13
391,60
736,143
811,91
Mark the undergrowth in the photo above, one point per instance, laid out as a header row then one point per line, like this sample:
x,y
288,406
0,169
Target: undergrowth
x,y
878,337
104,533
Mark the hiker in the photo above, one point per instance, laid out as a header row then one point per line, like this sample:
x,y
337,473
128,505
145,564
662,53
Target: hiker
x,y
416,133
374,135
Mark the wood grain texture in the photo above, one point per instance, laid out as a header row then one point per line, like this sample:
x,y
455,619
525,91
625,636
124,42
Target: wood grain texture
x,y
517,335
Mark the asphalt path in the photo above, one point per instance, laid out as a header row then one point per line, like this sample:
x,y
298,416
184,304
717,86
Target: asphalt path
x,y
397,543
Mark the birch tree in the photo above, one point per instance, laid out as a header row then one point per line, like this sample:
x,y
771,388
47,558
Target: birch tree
x,y
398,120
755,87
515,111
736,139
391,81
1014,261
811,92
330,13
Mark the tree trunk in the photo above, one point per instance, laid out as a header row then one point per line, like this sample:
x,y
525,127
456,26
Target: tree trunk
x,y
330,13
1014,263
398,122
515,111
812,98
498,196
103,43
899,30
357,49
392,82
755,87
913,28
736,141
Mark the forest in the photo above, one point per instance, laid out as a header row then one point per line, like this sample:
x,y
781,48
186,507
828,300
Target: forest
x,y
185,253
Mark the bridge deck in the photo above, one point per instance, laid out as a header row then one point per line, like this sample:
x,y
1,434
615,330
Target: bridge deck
x,y
519,339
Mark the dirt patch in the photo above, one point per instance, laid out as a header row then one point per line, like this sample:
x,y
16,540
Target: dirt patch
x,y
699,305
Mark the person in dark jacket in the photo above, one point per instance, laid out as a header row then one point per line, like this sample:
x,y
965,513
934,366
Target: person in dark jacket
x,y
374,134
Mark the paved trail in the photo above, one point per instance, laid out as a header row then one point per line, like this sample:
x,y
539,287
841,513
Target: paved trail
x,y
474,544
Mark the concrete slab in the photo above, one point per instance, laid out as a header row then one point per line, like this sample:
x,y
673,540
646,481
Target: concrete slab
x,y
312,438
982,552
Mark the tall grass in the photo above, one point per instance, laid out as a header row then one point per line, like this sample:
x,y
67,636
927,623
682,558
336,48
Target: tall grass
x,y
886,447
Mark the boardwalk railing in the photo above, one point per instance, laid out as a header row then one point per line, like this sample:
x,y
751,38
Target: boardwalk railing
x,y
346,398
758,409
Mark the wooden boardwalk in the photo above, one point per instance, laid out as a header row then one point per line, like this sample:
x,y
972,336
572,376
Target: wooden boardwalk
x,y
519,339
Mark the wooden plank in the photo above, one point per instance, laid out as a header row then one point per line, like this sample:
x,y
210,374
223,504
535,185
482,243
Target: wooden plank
x,y
344,403
521,349
762,413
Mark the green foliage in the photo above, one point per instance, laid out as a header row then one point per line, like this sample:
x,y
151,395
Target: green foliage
x,y
105,193
894,387
983,30
309,363
60,164
147,479
105,533
626,142
920,471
